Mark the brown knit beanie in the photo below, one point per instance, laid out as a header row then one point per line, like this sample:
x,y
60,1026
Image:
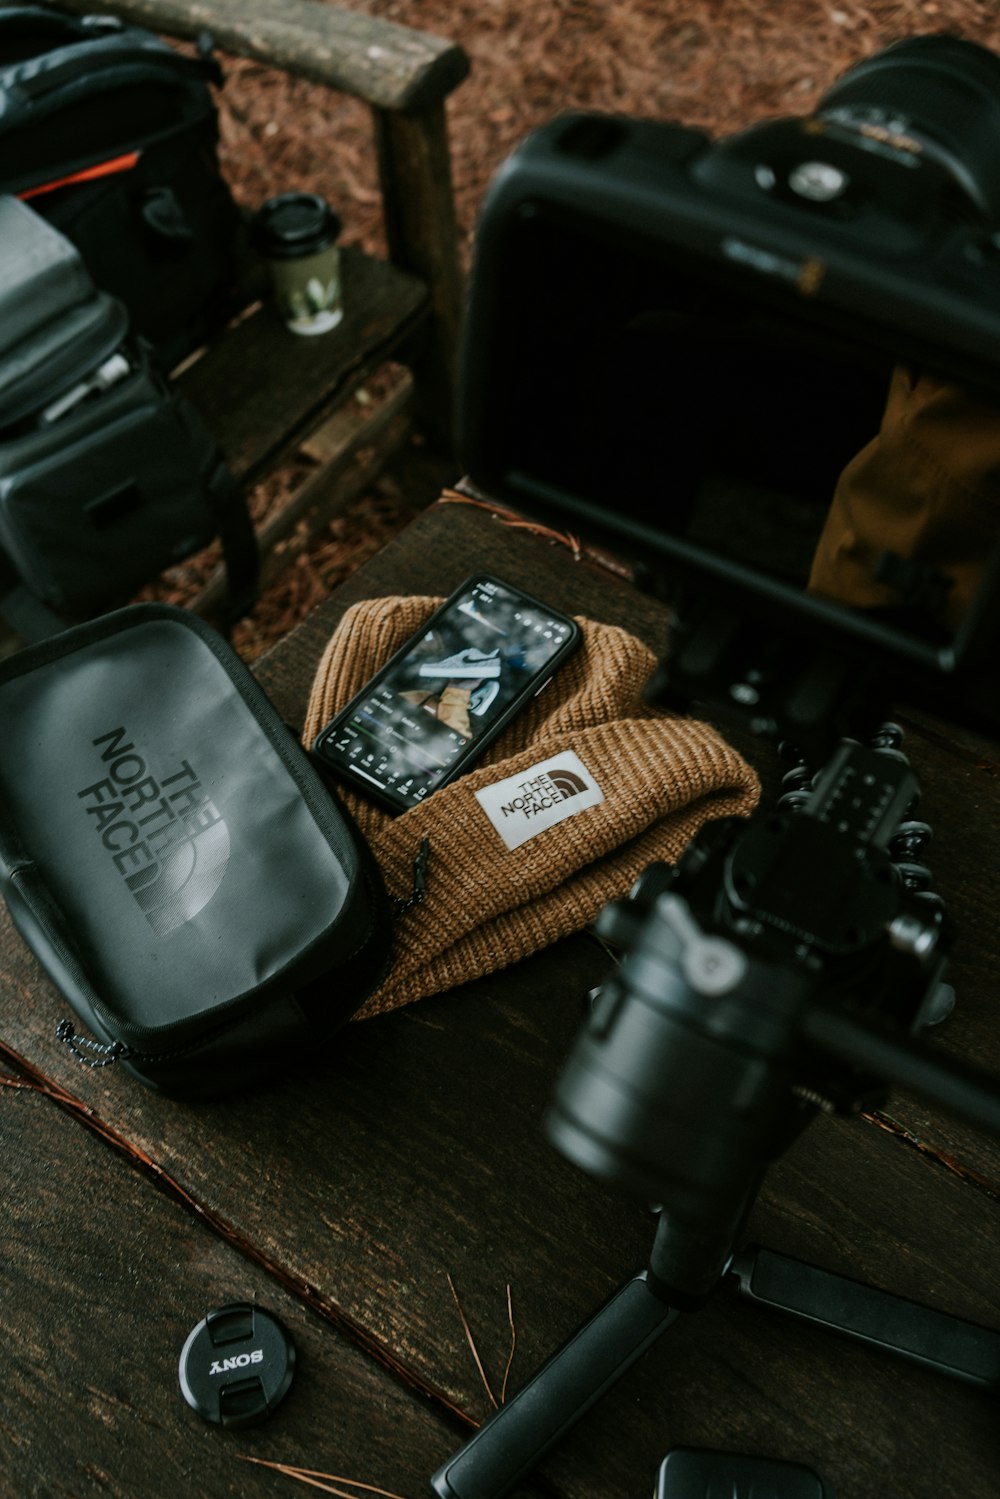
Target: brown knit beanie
x,y
658,778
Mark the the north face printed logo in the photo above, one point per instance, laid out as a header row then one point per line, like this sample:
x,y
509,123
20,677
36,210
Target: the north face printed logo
x,y
163,834
567,783
526,804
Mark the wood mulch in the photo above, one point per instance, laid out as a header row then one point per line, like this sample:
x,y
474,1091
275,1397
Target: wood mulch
x,y
720,65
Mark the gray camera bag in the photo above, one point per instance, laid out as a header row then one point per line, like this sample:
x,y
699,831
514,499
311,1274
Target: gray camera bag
x,y
107,475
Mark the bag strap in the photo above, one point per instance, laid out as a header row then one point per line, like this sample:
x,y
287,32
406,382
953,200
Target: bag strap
x,y
33,620
239,542
94,66
228,508
26,615
37,21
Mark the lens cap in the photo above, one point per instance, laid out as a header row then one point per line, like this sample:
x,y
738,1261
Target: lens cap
x,y
692,1473
236,1365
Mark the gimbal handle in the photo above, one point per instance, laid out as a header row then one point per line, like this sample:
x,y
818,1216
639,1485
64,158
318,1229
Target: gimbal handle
x,y
938,1340
513,1441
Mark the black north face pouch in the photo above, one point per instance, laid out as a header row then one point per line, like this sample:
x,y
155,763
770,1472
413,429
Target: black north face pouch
x,y
173,859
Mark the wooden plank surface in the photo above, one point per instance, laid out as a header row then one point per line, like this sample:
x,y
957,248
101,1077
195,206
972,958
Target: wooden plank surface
x,y
380,61
414,1153
101,1279
261,388
418,1156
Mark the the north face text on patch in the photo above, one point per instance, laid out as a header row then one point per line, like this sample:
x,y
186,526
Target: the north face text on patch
x,y
527,803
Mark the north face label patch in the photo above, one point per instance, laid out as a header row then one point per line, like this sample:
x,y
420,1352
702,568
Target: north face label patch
x,y
526,804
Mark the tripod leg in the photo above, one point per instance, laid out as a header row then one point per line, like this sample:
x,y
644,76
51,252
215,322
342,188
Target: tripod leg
x,y
513,1441
947,1344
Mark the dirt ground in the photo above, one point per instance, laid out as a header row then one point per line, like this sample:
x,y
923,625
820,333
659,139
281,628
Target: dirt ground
x,y
716,64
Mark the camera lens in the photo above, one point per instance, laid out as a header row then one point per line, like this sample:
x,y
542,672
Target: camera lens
x,y
942,94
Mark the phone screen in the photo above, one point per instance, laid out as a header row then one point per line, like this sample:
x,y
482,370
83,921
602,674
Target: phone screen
x,y
448,691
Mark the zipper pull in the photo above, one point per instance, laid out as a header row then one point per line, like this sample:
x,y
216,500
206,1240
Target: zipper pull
x,y
80,1046
419,888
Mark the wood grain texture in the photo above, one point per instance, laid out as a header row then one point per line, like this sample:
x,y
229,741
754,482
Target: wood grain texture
x,y
416,1155
412,1152
379,61
414,163
261,388
101,1279
346,467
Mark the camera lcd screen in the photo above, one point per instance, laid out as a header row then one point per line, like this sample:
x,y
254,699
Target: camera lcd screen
x,y
681,404
417,719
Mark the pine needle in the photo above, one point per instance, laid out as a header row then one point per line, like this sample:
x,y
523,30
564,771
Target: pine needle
x,y
313,1477
513,1345
472,1344
475,1354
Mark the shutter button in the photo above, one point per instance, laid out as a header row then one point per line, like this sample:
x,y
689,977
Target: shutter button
x,y
236,1365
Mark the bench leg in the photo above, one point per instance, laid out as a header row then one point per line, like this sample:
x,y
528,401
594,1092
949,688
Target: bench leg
x,y
415,171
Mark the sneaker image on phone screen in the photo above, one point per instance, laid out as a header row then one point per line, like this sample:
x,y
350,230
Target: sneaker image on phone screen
x,y
423,719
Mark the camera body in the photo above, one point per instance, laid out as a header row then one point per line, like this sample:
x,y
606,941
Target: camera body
x,y
675,346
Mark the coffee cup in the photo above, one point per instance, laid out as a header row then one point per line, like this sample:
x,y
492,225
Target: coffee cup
x,y
296,233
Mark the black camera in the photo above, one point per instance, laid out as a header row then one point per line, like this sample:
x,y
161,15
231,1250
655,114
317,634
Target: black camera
x,y
677,345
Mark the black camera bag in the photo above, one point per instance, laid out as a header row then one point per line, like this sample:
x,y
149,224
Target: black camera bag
x,y
173,858
111,134
107,474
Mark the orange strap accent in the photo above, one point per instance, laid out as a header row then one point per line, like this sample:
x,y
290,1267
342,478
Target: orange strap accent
x,y
89,174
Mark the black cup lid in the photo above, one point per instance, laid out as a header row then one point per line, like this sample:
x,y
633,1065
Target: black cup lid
x,y
294,224
236,1365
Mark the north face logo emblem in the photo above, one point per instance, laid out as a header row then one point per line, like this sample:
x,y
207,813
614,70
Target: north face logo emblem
x,y
567,783
164,835
183,881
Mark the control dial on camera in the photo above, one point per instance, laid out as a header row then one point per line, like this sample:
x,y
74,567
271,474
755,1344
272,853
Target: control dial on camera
x,y
818,181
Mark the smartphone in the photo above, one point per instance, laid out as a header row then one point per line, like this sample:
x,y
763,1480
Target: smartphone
x,y
435,706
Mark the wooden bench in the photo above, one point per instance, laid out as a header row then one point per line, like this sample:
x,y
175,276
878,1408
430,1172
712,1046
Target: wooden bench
x,y
263,390
401,1182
